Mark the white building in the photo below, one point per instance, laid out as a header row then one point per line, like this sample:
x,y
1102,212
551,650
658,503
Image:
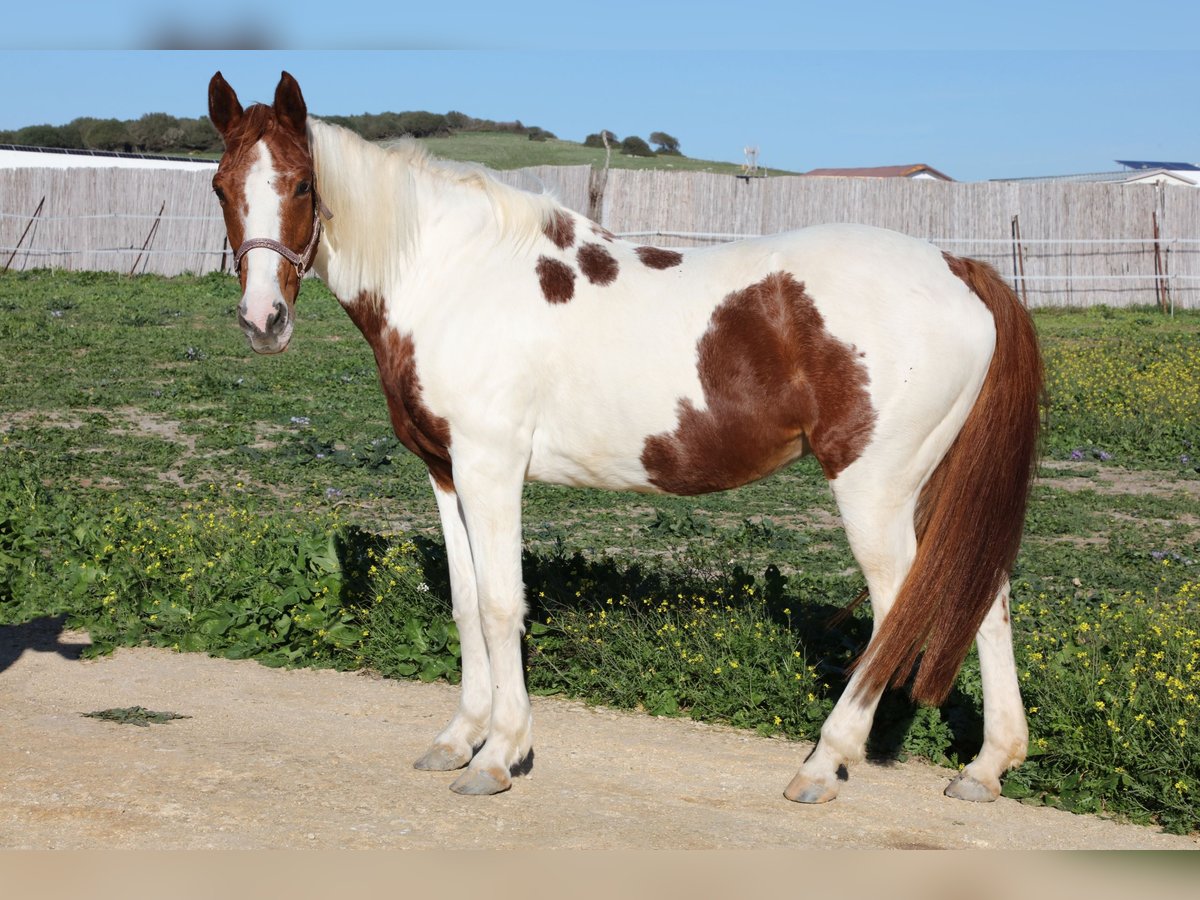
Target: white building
x,y
1135,172
14,157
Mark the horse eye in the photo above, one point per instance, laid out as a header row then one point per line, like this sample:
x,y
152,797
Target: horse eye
x,y
220,193
303,188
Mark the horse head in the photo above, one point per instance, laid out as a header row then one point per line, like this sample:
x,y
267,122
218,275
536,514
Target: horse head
x,y
267,189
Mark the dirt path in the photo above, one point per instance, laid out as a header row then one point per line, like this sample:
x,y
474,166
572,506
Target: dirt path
x,y
302,759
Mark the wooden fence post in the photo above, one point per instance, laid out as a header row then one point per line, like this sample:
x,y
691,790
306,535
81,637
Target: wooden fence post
x,y
37,212
1018,253
149,238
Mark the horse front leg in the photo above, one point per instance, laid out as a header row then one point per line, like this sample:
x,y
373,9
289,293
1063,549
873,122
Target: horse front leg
x,y
490,499
455,745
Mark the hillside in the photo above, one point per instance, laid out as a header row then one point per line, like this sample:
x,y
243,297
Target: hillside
x,y
500,150
454,135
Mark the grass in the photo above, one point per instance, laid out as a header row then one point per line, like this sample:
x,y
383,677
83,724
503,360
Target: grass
x,y
161,485
500,150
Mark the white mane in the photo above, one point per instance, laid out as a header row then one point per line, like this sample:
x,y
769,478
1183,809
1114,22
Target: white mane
x,y
372,191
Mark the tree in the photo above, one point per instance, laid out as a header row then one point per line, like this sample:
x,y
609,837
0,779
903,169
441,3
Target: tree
x,y
422,124
107,134
199,134
40,136
155,132
635,146
665,144
597,140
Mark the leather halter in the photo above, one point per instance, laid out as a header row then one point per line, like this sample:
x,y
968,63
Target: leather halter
x,y
304,259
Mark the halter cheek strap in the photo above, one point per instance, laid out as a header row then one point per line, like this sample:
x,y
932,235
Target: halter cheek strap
x,y
304,259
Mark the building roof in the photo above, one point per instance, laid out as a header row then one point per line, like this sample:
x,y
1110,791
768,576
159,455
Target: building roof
x,y
909,171
1122,177
1173,166
13,156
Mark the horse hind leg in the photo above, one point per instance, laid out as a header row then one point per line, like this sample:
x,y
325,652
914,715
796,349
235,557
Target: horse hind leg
x,y
880,527
1005,732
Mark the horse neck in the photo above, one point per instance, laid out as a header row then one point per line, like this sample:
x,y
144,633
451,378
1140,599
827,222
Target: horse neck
x,y
390,209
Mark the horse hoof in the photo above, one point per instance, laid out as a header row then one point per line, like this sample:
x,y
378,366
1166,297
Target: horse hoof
x,y
440,758
965,787
481,782
804,790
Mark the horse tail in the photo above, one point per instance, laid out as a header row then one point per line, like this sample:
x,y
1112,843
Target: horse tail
x,y
971,512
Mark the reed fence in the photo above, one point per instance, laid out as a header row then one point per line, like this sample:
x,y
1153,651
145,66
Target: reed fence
x,y
1060,244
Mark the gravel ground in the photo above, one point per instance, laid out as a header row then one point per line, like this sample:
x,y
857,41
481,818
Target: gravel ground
x,y
321,759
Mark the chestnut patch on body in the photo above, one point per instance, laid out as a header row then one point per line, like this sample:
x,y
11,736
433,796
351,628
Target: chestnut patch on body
x,y
416,426
776,384
597,264
561,230
657,258
557,280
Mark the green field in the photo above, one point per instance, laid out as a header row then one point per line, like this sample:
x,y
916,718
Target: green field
x,y
499,150
160,484
504,150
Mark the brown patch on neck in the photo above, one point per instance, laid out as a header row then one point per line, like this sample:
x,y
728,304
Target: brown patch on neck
x,y
657,258
776,384
603,233
561,230
557,280
427,435
597,264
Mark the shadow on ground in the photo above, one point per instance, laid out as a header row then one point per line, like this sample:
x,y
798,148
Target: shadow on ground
x,y
42,635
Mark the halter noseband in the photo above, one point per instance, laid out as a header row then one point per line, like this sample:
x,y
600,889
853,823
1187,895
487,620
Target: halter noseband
x,y
303,260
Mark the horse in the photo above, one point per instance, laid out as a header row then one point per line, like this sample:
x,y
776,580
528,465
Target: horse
x,y
518,341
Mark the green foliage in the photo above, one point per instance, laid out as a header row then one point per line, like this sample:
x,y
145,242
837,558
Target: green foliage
x,y
635,146
1123,387
164,133
597,139
108,134
665,143
126,400
134,715
40,136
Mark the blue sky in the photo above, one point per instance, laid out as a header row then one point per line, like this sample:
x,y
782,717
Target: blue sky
x,y
977,90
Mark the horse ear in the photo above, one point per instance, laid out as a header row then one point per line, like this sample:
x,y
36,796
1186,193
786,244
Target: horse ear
x,y
223,106
290,108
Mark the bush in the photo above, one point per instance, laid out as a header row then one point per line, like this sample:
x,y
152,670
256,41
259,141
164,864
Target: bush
x,y
635,146
665,144
597,140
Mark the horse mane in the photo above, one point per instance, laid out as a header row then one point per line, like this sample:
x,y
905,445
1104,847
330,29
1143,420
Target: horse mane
x,y
372,191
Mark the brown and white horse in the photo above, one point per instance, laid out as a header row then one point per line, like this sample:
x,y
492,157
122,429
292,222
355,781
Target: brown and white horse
x,y
517,341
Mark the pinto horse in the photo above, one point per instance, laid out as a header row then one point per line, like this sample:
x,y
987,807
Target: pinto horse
x,y
518,341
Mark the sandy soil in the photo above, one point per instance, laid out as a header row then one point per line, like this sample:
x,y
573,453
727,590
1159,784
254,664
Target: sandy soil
x,y
307,759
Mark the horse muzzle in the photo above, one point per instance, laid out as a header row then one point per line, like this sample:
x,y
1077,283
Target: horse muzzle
x,y
273,334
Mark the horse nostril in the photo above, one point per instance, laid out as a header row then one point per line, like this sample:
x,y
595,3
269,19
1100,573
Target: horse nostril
x,y
278,318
